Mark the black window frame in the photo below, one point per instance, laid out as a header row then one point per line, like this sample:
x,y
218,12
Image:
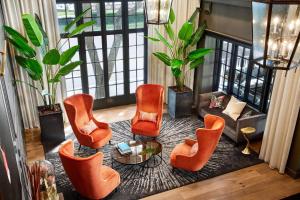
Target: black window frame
x,y
268,79
128,97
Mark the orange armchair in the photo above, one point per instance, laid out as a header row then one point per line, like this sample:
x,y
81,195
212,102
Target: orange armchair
x,y
149,98
89,177
79,111
187,157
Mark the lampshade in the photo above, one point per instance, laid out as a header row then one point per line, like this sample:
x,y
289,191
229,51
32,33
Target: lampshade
x,y
276,28
158,11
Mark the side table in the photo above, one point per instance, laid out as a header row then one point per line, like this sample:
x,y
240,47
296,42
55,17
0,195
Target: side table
x,y
247,131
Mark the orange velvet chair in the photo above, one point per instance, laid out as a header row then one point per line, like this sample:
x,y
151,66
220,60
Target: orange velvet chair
x,y
89,177
185,156
149,98
79,110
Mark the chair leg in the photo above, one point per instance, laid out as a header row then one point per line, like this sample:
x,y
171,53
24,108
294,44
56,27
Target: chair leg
x,y
109,142
79,147
133,136
97,150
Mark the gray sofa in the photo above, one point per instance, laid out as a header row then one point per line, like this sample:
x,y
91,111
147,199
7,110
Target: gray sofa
x,y
233,128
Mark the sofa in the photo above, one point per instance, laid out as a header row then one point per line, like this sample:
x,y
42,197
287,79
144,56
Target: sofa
x,y
232,128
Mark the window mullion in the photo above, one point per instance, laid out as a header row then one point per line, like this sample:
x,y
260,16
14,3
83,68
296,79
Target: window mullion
x,y
232,68
125,34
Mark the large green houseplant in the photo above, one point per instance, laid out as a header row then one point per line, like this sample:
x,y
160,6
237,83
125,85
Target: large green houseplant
x,y
34,55
182,56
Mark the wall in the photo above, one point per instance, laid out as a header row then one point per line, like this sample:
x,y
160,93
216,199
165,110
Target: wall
x,y
11,135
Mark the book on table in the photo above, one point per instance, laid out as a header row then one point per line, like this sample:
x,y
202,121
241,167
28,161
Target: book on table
x,y
124,148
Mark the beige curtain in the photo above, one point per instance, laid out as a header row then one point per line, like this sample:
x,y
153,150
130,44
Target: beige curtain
x,y
46,9
281,121
158,73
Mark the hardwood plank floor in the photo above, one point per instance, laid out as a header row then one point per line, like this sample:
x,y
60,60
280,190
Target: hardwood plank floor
x,y
252,183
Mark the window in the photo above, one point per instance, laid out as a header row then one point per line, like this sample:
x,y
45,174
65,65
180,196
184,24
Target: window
x,y
236,75
113,50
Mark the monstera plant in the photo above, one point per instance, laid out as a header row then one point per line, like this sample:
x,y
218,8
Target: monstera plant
x,y
34,55
182,56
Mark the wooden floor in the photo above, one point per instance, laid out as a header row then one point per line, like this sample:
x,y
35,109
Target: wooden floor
x,y
256,182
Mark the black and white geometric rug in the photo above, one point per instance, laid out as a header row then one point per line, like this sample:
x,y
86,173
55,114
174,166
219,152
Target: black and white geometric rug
x,y
138,182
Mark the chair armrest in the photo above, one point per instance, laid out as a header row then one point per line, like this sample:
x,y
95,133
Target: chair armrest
x,y
100,124
158,122
256,121
189,141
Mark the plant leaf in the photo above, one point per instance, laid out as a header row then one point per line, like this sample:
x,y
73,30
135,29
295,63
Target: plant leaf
x,y
198,53
176,62
186,31
52,57
169,31
32,29
172,16
56,79
22,47
74,21
176,71
197,35
32,66
45,36
163,40
81,28
67,55
163,57
152,38
196,63
15,35
65,70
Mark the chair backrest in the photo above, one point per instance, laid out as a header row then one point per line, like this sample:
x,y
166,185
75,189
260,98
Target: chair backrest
x,y
208,138
150,98
79,110
84,173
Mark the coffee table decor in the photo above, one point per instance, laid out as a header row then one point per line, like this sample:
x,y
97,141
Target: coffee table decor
x,y
141,153
138,181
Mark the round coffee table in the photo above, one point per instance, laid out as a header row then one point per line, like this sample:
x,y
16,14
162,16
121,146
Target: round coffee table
x,y
142,151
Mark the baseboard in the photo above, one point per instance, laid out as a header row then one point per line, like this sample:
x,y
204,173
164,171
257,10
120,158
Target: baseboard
x,y
292,173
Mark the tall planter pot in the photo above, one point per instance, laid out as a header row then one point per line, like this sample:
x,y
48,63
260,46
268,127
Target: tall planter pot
x,y
180,102
51,124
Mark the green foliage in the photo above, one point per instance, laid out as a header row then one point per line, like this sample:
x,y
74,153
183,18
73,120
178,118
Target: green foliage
x,y
180,53
55,64
67,55
33,30
52,57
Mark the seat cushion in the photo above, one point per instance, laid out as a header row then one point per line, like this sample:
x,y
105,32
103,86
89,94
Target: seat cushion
x,y
146,128
180,149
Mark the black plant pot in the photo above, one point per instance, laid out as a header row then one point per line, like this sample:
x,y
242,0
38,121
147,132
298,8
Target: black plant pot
x,y
180,102
51,124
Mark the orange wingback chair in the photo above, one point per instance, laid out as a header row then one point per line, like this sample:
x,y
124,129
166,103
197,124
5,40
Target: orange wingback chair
x,y
89,177
193,158
79,110
149,98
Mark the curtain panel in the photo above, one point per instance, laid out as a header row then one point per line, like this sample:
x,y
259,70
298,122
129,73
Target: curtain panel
x,y
158,72
46,10
281,120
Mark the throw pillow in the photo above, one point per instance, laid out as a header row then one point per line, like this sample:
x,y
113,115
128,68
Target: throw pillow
x,y
146,116
89,127
234,108
247,114
194,149
216,102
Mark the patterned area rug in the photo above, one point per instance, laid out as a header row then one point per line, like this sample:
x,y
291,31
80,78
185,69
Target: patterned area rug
x,y
138,181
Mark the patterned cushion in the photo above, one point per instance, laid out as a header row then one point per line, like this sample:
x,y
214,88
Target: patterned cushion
x,y
216,102
146,116
89,127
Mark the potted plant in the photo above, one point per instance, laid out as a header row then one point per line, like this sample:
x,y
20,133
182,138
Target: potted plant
x,y
39,61
181,57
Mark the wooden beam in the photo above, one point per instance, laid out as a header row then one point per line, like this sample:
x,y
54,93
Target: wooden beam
x,y
239,3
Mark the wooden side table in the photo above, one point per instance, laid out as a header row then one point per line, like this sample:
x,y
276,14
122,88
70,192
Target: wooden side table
x,y
247,131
